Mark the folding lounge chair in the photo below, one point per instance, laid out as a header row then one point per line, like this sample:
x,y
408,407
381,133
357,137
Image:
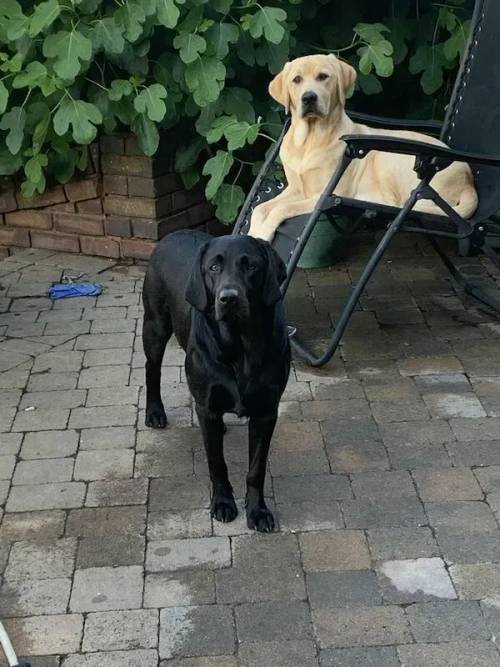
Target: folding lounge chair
x,y
472,132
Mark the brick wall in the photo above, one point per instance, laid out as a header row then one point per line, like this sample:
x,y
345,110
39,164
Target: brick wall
x,y
119,212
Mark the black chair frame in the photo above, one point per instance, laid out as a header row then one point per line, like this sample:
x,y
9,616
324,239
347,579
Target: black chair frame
x,y
466,142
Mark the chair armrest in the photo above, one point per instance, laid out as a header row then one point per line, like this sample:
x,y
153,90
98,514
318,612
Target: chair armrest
x,y
361,144
430,126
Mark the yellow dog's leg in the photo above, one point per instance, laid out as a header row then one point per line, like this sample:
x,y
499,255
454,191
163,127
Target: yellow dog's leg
x,y
262,211
280,213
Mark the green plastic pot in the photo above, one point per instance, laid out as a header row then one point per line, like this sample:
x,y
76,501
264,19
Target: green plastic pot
x,y
325,245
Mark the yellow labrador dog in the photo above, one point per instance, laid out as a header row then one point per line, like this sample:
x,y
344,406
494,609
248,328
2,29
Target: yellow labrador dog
x,y
313,89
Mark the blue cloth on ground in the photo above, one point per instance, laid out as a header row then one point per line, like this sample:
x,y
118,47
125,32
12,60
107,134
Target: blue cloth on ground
x,y
69,289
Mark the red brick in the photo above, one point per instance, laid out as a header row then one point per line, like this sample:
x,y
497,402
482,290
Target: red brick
x,y
153,187
90,206
65,207
79,190
79,223
132,146
55,241
138,207
163,206
185,198
137,248
116,185
29,218
145,228
104,246
10,236
48,198
134,165
117,226
7,201
113,143
191,217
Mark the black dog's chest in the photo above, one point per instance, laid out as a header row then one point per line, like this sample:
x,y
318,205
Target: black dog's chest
x,y
241,395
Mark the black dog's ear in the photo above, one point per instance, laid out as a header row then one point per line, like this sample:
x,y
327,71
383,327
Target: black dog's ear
x,y
196,291
275,274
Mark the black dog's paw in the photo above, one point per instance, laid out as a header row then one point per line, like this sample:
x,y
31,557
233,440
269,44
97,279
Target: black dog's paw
x,y
223,508
259,518
155,416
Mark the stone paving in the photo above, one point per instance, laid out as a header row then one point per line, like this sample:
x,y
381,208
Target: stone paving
x,y
384,476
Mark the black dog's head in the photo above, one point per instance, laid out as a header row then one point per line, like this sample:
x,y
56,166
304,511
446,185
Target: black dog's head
x,y
233,275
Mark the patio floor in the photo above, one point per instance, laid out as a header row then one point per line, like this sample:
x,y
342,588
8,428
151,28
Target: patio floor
x,y
384,476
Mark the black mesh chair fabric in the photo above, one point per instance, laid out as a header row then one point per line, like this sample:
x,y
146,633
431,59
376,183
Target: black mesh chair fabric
x,y
472,123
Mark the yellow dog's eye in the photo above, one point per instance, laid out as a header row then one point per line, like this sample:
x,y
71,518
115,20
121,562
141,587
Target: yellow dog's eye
x,y
322,76
297,79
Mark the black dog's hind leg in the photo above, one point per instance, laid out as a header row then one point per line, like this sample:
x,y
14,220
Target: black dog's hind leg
x,y
222,506
260,431
155,335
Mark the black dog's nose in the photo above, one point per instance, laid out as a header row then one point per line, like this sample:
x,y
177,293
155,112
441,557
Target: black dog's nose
x,y
227,295
309,97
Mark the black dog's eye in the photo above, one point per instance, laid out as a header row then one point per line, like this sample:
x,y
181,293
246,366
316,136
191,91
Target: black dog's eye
x,y
297,79
322,76
214,267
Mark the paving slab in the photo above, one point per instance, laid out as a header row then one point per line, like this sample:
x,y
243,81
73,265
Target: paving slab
x,y
107,588
196,631
167,555
121,630
110,551
472,654
362,626
338,550
104,521
49,444
296,653
132,658
50,559
59,495
343,589
414,580
179,589
27,597
373,656
46,635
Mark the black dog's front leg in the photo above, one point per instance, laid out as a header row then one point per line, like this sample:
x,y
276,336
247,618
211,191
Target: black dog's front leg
x,y
222,506
260,431
155,336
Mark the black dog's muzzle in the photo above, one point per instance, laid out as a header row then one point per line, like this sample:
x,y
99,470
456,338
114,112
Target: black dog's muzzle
x,y
228,296
231,304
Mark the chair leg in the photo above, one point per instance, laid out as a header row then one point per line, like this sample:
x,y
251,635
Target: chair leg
x,y
489,296
370,267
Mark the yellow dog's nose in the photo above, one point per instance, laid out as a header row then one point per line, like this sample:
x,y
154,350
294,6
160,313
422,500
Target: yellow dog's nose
x,y
309,97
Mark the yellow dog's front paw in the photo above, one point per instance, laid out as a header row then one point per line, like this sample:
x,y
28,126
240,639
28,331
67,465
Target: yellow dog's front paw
x,y
261,233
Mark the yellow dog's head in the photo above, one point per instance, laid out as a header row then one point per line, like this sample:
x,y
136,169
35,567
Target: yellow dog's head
x,y
313,86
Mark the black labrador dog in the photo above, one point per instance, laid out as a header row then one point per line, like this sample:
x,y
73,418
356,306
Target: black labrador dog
x,y
221,298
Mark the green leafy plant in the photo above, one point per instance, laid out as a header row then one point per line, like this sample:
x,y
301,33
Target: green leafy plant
x,y
71,69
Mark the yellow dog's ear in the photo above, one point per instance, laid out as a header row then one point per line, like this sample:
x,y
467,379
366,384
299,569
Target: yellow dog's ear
x,y
347,76
278,89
